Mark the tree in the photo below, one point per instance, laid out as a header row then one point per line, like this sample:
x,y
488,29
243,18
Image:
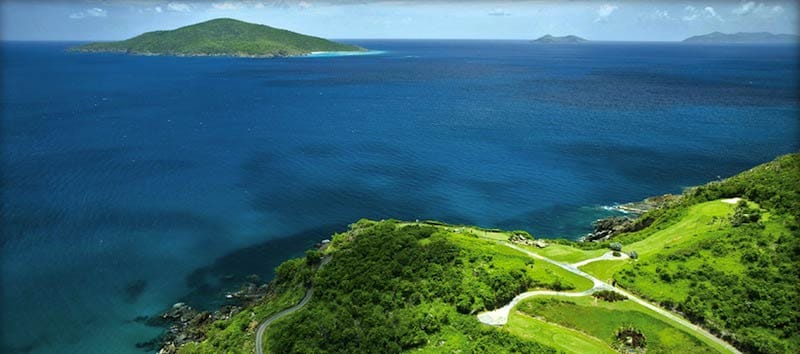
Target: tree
x,y
313,257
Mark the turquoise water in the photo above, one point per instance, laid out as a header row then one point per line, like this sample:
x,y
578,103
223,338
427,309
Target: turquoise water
x,y
342,54
131,182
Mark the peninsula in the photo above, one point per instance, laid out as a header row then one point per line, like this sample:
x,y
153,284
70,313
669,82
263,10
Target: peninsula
x,y
221,37
563,39
709,271
744,38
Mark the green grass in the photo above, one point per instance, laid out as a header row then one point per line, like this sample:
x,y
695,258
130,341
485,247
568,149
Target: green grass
x,y
559,337
700,222
604,270
505,258
565,253
600,319
694,226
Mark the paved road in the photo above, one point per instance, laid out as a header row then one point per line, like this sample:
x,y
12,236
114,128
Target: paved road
x,y
500,316
279,315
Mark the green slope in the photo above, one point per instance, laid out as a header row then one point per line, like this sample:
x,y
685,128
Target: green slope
x,y
395,287
223,36
599,320
737,278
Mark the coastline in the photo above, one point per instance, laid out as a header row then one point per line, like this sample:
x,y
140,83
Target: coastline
x,y
232,55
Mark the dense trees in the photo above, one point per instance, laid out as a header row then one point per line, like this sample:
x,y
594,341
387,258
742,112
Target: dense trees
x,y
392,288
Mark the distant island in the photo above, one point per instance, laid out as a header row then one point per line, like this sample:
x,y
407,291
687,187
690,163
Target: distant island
x,y
221,37
564,39
744,38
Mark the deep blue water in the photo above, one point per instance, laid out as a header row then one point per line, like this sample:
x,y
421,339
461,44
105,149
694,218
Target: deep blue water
x,y
129,183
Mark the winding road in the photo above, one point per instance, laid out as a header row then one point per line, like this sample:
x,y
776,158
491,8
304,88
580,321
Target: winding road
x,y
499,316
263,326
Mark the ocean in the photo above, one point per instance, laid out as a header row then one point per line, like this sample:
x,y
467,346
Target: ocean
x,y
132,182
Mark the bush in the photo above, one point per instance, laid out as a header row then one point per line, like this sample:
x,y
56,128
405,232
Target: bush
x,y
633,255
615,246
610,296
313,257
616,254
630,339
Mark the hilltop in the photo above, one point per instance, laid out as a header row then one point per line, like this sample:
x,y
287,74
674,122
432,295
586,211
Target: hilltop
x,y
744,38
564,39
221,37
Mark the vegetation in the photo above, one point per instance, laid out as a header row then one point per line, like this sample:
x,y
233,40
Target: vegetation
x,y
221,37
608,295
237,334
390,287
393,287
731,268
561,338
602,320
629,339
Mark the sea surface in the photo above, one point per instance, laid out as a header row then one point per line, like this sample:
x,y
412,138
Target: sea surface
x,y
132,182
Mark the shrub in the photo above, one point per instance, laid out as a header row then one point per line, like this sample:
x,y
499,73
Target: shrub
x,y
615,246
610,296
630,339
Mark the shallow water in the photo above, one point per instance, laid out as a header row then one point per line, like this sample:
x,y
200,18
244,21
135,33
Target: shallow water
x,y
132,182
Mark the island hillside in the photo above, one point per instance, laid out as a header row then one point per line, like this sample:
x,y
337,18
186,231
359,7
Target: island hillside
x,y
744,38
564,39
221,37
714,270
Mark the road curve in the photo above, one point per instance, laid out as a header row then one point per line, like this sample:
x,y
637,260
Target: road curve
x,y
598,285
263,326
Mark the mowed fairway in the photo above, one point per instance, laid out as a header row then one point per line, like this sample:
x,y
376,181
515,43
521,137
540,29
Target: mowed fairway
x,y
700,222
600,319
504,257
558,337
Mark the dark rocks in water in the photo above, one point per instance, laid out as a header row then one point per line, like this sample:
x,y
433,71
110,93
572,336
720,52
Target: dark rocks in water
x,y
635,220
134,290
185,325
188,325
150,345
604,229
648,204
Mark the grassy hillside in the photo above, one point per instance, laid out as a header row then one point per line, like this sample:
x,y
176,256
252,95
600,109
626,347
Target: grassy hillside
x,y
221,37
599,320
731,267
728,265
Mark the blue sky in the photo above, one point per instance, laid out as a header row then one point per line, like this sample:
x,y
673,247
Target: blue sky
x,y
642,20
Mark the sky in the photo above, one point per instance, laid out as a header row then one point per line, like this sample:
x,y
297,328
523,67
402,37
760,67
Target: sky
x,y
643,20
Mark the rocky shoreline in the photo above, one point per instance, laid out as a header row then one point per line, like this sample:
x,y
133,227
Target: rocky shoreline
x,y
605,229
185,324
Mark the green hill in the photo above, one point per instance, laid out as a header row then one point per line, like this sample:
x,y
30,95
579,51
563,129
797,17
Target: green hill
x,y
221,37
728,265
